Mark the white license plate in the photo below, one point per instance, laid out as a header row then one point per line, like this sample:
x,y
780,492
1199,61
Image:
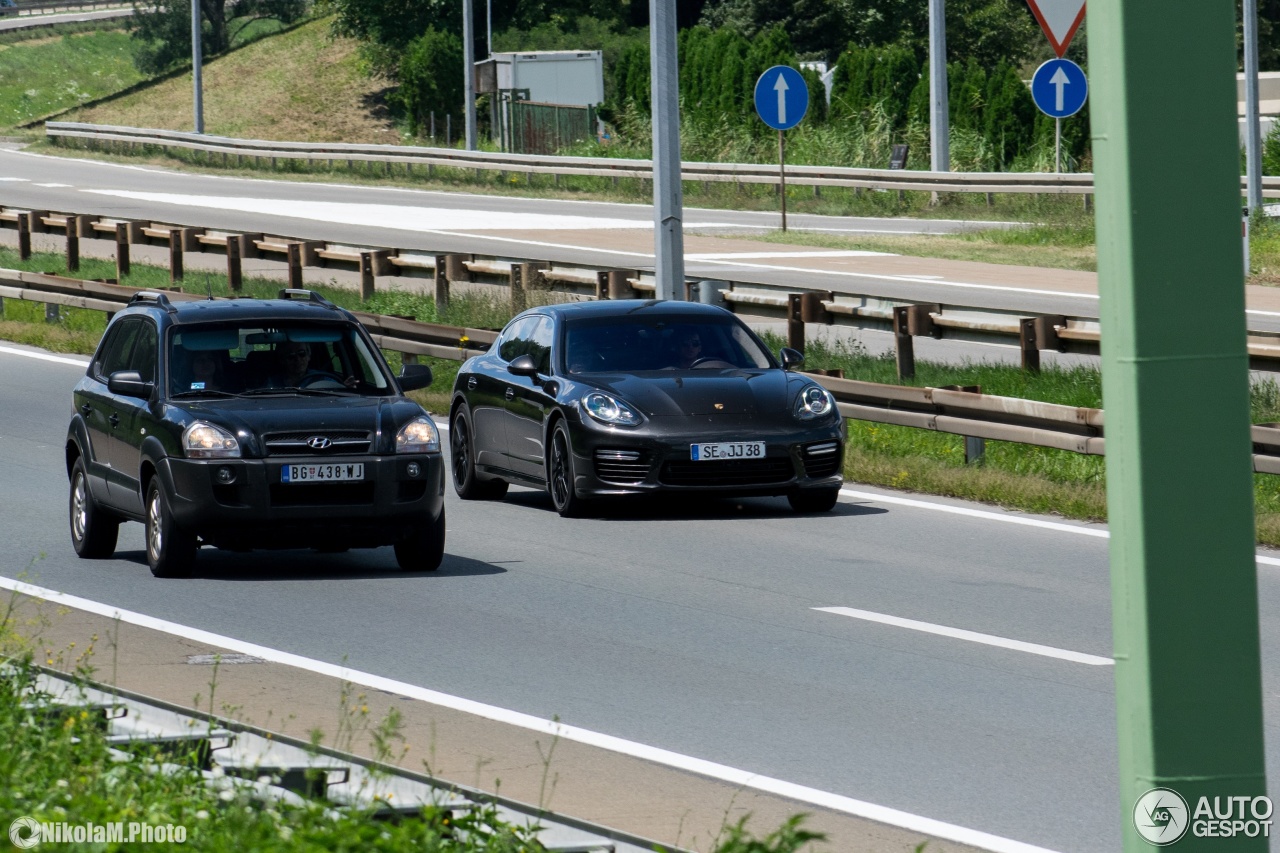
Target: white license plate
x,y
329,472
712,451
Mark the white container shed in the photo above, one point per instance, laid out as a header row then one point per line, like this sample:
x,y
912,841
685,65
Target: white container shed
x,y
568,77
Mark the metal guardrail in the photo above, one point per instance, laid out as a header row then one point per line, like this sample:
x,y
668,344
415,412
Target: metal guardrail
x,y
955,411
747,173
46,7
235,756
525,279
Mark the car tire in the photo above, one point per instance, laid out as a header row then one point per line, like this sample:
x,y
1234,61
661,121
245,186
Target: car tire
x,y
463,463
93,530
171,551
814,500
560,476
423,551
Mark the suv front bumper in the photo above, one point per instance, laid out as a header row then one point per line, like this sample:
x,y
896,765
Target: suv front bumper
x,y
244,503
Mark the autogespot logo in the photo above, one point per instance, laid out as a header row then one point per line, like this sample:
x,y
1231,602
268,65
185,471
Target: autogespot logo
x,y
1160,816
25,832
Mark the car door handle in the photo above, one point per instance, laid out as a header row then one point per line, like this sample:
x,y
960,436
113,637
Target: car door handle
x,y
471,383
511,393
86,409
115,420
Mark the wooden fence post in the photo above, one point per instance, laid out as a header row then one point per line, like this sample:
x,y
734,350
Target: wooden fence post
x,y
122,251
24,236
235,271
73,245
175,255
295,265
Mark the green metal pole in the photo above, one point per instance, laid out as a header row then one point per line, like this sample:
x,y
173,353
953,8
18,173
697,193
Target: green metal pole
x,y
1175,380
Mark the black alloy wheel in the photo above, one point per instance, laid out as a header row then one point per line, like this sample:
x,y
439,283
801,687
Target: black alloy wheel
x,y
462,456
423,551
171,551
93,531
814,500
560,479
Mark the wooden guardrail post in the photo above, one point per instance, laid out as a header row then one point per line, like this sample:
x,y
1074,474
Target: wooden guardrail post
x,y
795,322
122,250
442,284
812,310
73,245
175,255
37,221
456,267
367,278
904,347
295,265
620,285
602,285
524,277
1027,343
235,271
24,236
190,239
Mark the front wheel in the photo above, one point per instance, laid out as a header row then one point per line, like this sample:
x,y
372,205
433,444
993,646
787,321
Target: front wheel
x,y
560,478
171,551
814,500
423,551
463,464
93,530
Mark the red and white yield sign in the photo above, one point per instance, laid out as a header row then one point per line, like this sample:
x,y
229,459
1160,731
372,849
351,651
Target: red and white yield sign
x,y
1059,19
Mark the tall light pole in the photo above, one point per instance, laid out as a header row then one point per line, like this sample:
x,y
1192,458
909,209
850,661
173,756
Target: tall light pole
x,y
1252,133
939,114
668,194
469,69
195,65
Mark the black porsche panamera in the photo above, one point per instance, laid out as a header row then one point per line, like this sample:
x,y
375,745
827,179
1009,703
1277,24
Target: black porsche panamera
x,y
628,397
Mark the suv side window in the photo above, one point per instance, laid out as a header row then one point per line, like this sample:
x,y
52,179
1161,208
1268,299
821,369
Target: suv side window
x,y
115,352
144,355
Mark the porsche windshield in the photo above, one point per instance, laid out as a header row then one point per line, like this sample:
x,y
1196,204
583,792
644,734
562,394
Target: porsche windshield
x,y
657,342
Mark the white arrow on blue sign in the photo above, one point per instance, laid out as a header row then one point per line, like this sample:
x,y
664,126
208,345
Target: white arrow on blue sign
x,y
1059,88
782,98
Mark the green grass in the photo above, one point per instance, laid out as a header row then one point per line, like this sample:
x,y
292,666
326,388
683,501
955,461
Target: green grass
x,y
38,78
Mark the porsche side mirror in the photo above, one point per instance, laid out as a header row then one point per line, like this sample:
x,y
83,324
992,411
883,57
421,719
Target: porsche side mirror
x,y
523,365
790,358
414,376
129,383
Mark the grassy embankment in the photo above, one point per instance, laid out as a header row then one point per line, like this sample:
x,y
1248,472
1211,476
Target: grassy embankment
x,y
1011,475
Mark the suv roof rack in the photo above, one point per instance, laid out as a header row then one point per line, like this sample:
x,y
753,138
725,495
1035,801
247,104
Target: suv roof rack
x,y
154,298
311,295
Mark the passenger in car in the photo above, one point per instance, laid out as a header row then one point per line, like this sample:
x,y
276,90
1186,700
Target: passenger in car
x,y
205,370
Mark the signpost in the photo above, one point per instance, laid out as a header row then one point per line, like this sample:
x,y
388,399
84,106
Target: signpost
x,y
1059,89
1059,19
782,99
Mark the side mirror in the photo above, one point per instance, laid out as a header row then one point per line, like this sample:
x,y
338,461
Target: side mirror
x,y
414,376
129,383
524,366
791,358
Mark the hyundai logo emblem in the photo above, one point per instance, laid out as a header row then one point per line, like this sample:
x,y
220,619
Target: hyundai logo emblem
x,y
319,442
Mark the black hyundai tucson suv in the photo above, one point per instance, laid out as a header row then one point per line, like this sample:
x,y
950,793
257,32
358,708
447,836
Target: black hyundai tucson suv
x,y
251,423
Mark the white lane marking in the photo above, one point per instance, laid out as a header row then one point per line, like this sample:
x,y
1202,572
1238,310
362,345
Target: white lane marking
x,y
732,775
60,359
844,253
19,180
53,186
971,636
388,216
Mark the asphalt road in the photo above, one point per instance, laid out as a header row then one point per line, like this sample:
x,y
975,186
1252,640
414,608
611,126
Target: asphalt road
x,y
693,628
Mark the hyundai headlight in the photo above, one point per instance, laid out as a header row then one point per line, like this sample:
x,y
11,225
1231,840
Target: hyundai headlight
x,y
206,441
418,436
610,410
814,402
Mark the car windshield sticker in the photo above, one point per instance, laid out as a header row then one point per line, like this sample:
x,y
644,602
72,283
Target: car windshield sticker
x,y
197,386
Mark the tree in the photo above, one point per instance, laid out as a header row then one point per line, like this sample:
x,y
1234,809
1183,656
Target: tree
x,y
429,78
164,30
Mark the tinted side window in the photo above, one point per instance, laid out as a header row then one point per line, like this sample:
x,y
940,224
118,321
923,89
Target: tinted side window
x,y
114,354
143,359
540,345
515,340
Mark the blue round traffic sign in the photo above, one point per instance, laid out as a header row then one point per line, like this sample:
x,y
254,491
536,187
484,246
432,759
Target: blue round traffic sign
x,y
782,98
1059,88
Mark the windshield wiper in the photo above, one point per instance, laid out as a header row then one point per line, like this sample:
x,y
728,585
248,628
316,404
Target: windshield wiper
x,y
294,389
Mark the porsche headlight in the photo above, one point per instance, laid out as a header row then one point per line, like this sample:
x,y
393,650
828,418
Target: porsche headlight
x,y
418,436
814,402
610,410
206,441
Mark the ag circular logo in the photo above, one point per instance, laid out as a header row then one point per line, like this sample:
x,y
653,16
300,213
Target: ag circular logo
x,y
1160,816
24,832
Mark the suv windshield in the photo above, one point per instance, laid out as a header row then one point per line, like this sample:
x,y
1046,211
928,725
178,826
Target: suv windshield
x,y
656,342
220,359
